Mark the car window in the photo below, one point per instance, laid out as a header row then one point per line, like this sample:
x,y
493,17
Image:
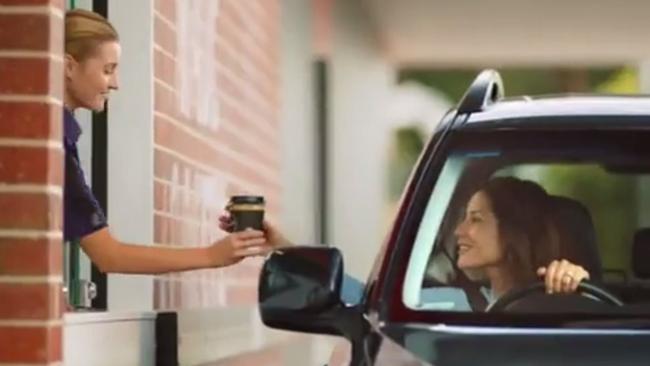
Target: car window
x,y
594,211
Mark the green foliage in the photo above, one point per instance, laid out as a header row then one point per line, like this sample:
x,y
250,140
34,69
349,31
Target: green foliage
x,y
407,145
624,81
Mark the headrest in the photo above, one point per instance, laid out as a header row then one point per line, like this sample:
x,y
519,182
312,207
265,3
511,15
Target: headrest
x,y
641,253
577,235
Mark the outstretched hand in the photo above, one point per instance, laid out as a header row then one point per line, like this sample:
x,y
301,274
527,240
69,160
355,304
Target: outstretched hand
x,y
273,236
237,246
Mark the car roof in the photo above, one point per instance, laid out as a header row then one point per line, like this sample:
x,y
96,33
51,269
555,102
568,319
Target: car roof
x,y
563,111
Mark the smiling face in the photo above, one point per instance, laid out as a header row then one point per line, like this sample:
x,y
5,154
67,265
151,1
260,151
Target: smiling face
x,y
478,235
89,81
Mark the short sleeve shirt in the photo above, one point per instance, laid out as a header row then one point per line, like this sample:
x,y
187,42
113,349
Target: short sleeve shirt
x,y
82,213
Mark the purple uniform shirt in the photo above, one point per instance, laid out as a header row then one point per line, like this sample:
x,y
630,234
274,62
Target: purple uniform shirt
x,y
82,213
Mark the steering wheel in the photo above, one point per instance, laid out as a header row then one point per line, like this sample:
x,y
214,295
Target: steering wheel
x,y
586,289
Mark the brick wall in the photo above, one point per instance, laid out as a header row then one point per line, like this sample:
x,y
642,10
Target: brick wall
x,y
31,159
216,134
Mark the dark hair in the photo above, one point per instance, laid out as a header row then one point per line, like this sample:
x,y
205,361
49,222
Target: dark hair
x,y
526,227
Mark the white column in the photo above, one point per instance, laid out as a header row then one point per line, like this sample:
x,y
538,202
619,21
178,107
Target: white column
x,y
359,82
130,148
298,123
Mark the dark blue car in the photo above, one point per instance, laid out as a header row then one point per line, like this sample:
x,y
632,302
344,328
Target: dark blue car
x,y
591,154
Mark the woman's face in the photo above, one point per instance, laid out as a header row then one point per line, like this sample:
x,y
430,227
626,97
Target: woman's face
x,y
478,235
89,82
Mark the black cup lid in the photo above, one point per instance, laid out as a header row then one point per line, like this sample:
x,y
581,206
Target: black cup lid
x,y
247,200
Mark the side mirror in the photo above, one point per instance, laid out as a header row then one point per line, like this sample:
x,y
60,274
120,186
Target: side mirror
x,y
300,289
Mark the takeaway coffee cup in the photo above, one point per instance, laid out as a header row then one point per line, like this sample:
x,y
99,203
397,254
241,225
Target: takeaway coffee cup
x,y
246,212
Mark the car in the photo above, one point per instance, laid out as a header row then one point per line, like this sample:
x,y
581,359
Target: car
x,y
590,153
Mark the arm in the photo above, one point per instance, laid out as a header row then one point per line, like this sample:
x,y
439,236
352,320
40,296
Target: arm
x,y
112,256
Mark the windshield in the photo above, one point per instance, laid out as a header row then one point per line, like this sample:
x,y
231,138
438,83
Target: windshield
x,y
506,203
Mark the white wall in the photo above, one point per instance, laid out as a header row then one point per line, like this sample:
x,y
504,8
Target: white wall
x,y
359,83
130,148
298,121
300,219
109,339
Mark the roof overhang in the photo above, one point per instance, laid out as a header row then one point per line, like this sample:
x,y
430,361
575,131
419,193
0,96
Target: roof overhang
x,y
470,33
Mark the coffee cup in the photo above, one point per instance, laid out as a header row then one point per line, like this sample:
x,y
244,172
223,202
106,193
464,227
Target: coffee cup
x,y
246,212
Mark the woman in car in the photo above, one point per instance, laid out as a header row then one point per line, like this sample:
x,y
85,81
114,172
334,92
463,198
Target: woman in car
x,y
509,235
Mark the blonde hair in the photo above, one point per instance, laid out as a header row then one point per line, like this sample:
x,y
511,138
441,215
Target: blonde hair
x,y
84,31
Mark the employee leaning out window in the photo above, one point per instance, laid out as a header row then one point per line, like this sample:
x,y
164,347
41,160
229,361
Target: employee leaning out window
x,y
92,52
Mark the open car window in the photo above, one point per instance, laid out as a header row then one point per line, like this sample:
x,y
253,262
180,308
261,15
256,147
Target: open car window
x,y
598,189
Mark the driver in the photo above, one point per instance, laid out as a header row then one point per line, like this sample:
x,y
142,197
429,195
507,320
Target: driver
x,y
508,236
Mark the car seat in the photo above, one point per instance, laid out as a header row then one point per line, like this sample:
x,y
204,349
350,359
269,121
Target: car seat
x,y
641,254
577,235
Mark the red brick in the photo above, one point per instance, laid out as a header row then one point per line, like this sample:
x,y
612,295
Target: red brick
x,y
256,147
24,31
162,164
250,122
166,8
30,301
29,257
228,60
30,344
30,211
30,120
161,225
164,36
165,68
165,100
160,196
34,165
229,32
229,86
24,76
199,151
167,230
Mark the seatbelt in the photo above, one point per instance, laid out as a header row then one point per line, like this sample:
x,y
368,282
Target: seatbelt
x,y
475,297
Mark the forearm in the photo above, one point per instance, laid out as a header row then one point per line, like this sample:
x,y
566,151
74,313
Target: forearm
x,y
130,258
112,256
